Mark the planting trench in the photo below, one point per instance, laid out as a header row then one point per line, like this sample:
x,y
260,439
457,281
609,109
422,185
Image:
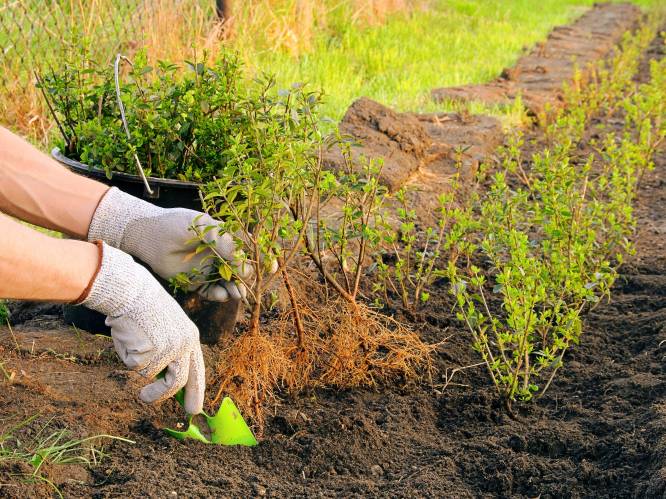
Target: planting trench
x,y
600,432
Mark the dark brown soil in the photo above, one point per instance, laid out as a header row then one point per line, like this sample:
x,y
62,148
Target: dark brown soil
x,y
600,432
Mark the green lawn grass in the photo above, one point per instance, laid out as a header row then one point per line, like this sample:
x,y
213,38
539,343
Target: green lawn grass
x,y
452,42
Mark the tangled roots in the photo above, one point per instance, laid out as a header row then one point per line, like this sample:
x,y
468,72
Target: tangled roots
x,y
339,345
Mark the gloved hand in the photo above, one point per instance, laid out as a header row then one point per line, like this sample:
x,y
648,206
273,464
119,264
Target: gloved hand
x,y
149,329
162,238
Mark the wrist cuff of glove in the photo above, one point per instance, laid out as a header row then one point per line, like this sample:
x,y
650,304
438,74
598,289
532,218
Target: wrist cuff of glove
x,y
86,292
116,284
115,211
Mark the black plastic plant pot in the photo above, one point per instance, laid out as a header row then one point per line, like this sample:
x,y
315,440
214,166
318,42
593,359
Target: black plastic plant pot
x,y
167,193
214,320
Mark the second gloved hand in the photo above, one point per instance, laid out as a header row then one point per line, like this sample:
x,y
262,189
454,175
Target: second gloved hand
x,y
149,329
163,239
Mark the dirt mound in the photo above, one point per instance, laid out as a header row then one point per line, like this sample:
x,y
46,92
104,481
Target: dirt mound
x,y
467,139
539,76
474,138
397,138
420,151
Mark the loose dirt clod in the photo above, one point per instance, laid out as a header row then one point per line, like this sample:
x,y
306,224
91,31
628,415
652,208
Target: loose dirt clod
x,y
397,138
460,144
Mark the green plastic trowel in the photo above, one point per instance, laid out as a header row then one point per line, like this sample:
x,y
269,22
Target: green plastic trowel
x,y
227,427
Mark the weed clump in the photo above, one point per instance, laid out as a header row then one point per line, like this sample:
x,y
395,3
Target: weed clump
x,y
4,313
36,455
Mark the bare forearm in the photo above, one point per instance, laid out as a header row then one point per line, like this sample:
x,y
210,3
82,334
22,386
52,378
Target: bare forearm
x,y
35,188
34,266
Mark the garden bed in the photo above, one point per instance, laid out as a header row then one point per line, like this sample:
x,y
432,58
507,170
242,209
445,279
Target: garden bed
x,y
600,432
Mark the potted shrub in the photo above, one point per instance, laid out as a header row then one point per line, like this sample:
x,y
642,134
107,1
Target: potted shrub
x,y
158,133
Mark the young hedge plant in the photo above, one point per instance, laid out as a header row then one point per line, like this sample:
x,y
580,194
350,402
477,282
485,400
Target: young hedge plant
x,y
550,248
272,164
415,251
552,251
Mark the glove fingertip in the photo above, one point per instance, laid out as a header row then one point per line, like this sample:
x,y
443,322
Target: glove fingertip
x,y
215,293
193,405
155,392
244,269
161,389
233,291
196,384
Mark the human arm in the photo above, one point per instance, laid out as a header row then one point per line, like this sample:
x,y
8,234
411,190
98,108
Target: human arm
x,y
35,188
34,266
150,331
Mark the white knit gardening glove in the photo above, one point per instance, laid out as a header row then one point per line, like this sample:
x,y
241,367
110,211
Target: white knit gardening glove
x,y
149,329
164,239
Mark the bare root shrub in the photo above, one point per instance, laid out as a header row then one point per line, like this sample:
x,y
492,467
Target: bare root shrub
x,y
250,371
366,348
305,360
340,345
300,330
345,345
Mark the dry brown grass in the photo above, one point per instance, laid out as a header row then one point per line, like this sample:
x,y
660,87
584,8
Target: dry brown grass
x,y
373,12
292,25
174,34
23,109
